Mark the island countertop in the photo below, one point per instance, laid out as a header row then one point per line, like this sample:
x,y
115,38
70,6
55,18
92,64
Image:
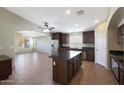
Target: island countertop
x,y
4,57
65,55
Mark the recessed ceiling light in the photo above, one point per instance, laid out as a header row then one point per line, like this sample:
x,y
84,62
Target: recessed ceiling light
x,y
76,25
68,12
96,21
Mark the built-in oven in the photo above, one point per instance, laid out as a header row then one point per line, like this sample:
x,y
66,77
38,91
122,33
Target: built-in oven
x,y
115,68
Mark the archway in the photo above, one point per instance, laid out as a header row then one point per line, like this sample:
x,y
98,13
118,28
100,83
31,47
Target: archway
x,y
115,22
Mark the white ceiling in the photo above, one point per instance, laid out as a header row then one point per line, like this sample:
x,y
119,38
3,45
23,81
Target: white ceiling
x,y
56,16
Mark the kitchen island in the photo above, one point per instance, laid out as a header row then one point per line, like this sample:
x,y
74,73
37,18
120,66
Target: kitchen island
x,y
65,65
5,67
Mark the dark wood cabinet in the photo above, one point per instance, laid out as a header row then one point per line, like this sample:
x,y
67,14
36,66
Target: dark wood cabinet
x,y
121,34
59,71
75,66
56,36
88,37
65,38
90,54
70,70
5,67
65,70
122,77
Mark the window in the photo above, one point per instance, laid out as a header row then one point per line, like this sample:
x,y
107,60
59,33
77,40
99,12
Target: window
x,y
25,43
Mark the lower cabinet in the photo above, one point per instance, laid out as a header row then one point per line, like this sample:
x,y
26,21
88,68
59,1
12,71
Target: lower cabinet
x,y
90,54
70,71
122,78
5,67
64,71
60,71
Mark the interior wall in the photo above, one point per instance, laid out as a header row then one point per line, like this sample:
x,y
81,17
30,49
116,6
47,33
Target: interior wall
x,y
103,27
43,44
76,40
113,43
9,24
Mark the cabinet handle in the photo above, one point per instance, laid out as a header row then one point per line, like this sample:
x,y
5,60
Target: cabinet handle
x,y
54,63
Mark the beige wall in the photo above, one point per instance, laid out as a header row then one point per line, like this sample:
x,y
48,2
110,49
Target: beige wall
x,y
9,24
113,43
43,44
102,27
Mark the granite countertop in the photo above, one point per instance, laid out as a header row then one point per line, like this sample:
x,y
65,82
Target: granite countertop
x,y
78,49
65,55
118,55
4,57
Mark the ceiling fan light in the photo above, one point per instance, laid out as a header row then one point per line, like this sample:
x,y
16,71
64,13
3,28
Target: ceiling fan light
x,y
46,30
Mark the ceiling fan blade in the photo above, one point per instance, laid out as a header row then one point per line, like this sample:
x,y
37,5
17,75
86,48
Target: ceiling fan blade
x,y
51,28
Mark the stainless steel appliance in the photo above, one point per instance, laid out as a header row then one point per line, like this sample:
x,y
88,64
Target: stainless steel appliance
x,y
55,45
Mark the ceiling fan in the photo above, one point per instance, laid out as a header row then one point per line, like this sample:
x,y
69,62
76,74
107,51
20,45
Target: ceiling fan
x,y
46,27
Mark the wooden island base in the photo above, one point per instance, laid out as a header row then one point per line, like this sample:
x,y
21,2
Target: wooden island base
x,y
65,65
5,67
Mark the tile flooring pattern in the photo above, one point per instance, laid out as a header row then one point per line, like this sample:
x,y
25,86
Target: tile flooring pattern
x,y
36,69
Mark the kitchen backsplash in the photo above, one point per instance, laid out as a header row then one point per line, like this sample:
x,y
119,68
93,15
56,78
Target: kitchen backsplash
x,y
88,45
78,45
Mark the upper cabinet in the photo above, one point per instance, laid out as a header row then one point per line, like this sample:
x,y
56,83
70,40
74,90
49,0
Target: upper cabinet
x,y
65,38
56,36
121,34
88,37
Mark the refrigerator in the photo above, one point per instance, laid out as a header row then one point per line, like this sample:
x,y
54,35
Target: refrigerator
x,y
55,45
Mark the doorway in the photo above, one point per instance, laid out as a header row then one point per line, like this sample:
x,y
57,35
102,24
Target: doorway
x,y
100,46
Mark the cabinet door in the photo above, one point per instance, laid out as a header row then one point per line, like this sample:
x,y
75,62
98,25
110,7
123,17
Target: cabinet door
x,y
85,37
90,56
75,66
121,34
91,37
56,36
70,71
5,69
88,37
65,38
122,78
60,71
